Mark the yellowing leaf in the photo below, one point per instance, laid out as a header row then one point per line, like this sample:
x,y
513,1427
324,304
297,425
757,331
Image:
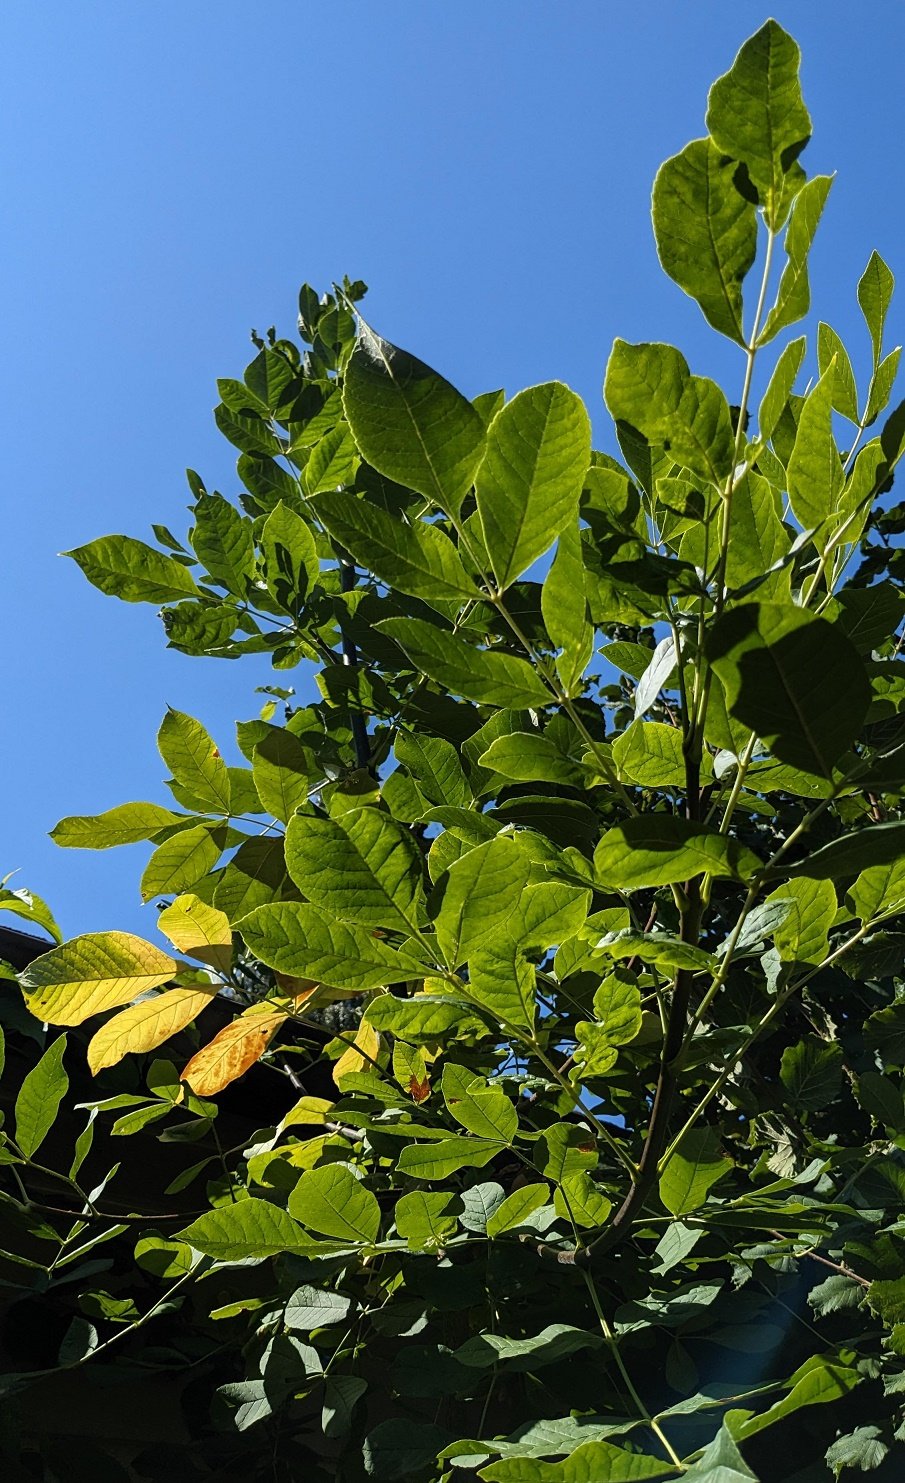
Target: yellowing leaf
x,y
360,1054
199,931
231,1052
146,1025
98,971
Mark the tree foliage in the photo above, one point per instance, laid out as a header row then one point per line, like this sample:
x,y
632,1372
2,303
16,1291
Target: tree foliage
x,y
598,820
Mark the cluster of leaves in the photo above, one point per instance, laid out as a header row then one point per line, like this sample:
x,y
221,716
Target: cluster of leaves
x,y
610,1182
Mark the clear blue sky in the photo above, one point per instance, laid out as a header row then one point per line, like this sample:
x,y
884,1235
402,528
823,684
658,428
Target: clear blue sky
x,y
173,172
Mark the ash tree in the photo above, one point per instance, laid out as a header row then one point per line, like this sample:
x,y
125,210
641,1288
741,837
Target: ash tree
x,y
597,825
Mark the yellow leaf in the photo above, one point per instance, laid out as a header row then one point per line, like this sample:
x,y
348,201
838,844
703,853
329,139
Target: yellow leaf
x,y
360,1054
146,1025
199,930
92,973
230,1054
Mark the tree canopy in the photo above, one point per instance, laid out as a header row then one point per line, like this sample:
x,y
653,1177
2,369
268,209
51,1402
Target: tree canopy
x,y
584,877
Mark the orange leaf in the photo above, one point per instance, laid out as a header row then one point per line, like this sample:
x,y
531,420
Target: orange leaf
x,y
231,1052
420,1090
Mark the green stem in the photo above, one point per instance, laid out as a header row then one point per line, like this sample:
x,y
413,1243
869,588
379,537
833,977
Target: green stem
x,y
613,1346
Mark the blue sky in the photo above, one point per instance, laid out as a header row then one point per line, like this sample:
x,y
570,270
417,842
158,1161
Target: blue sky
x,y
173,173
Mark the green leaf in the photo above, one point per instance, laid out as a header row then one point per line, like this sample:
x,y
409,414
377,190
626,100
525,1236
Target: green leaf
x,y
773,660
552,1344
40,1095
268,377
706,232
290,564
194,761
482,1109
794,297
333,462
478,894
830,349
312,1308
247,431
32,907
592,1462
128,569
410,423
298,939
879,889
434,764
401,1448
483,675
650,754
816,1382
516,1208
862,1448
529,482
97,971
853,853
426,1218
423,1018
578,1199
446,1156
660,849
223,541
661,948
651,388
280,769
362,867
721,1462
811,1073
758,540
181,861
250,1229
331,1201
776,397
693,1170
564,606
815,469
126,824
532,756
340,1395
875,288
565,1149
418,559
756,114
255,875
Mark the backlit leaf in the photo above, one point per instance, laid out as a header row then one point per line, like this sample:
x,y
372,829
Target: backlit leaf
x,y
128,569
233,1050
249,1229
756,114
528,484
331,1201
706,232
418,558
410,423
299,940
695,1167
92,973
484,675
146,1025
39,1098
